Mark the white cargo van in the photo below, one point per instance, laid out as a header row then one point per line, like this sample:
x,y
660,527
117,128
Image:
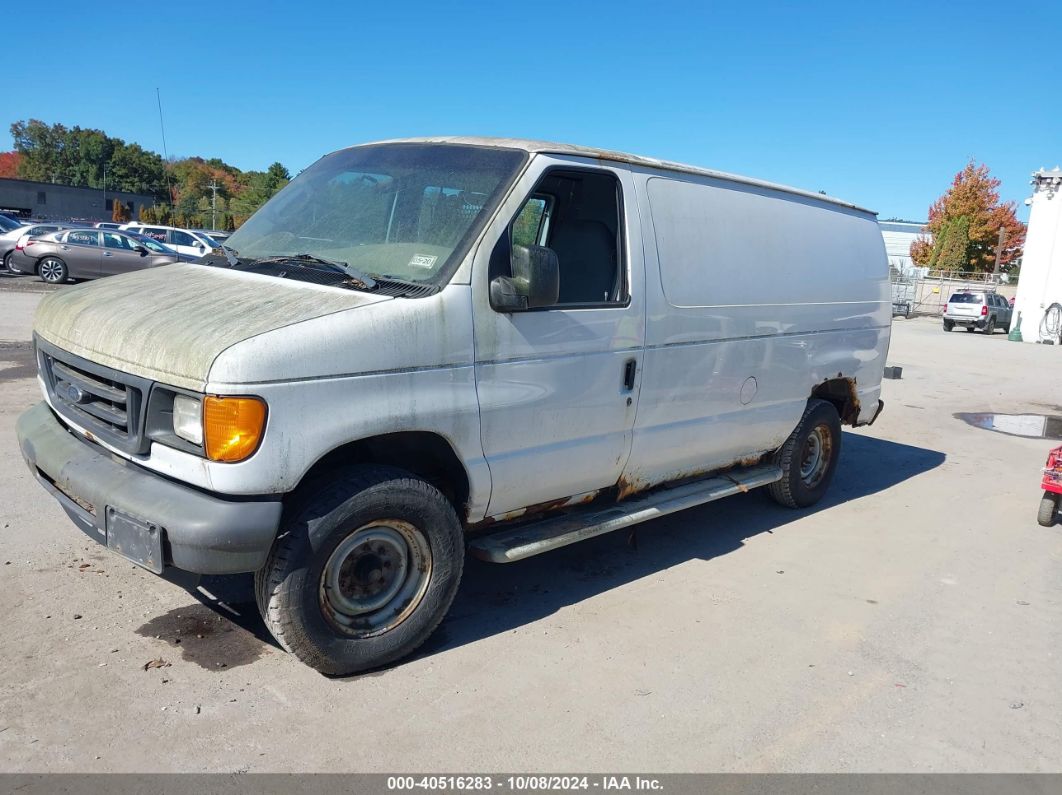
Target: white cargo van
x,y
425,346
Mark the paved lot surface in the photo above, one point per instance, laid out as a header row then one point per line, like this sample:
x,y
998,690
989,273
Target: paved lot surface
x,y
911,622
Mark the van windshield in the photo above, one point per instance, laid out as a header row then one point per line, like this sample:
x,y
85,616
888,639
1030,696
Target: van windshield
x,y
404,211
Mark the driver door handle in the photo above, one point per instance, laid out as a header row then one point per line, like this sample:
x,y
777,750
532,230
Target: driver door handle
x,y
630,368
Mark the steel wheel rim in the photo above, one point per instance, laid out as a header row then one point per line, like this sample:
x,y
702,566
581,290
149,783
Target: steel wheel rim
x,y
51,270
815,457
375,578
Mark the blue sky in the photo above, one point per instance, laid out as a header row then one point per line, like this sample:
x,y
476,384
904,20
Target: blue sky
x,y
879,104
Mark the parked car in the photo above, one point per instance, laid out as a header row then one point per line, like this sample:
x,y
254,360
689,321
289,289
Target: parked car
x,y
189,243
9,239
87,254
977,309
424,345
216,235
9,222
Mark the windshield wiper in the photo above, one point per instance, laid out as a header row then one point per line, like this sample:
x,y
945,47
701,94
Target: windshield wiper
x,y
353,273
367,281
231,255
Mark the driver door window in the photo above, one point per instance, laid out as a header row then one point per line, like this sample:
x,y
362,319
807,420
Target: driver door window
x,y
577,214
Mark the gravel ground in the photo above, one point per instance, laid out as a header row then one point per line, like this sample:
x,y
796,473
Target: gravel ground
x,y
910,622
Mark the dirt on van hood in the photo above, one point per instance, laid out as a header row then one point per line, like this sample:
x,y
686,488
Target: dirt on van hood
x,y
170,323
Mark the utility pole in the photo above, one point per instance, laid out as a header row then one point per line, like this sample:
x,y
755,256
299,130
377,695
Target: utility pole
x,y
104,209
214,203
999,247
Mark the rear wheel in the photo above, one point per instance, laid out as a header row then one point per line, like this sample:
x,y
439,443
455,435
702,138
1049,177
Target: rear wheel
x,y
7,261
809,457
1048,509
990,325
948,325
363,572
52,270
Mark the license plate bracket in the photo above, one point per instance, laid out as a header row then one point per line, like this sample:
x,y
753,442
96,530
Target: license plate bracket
x,y
135,539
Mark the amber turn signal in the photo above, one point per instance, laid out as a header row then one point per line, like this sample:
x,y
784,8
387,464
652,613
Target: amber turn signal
x,y
232,427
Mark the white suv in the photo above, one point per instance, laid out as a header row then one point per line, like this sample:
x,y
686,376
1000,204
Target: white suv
x,y
189,243
977,309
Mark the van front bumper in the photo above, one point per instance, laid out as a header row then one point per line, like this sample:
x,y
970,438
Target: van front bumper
x,y
201,532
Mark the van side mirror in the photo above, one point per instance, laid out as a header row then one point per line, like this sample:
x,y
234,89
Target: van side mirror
x,y
535,281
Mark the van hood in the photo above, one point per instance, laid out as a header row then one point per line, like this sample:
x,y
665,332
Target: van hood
x,y
169,324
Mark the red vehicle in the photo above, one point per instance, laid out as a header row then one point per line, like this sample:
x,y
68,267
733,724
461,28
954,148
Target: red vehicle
x,y
1052,486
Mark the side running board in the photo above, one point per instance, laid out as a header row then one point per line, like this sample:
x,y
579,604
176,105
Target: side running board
x,y
534,538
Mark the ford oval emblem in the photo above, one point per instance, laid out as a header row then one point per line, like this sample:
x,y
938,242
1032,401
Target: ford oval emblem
x,y
73,394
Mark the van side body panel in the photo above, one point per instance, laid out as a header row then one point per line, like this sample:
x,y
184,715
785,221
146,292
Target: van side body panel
x,y
753,297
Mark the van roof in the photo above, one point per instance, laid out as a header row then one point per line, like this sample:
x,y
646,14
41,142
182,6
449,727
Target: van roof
x,y
548,147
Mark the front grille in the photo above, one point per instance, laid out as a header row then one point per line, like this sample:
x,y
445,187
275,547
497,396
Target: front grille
x,y
105,402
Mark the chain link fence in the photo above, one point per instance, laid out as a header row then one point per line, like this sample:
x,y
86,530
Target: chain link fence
x,y
921,291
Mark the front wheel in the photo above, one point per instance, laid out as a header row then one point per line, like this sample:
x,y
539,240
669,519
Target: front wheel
x,y
363,572
1048,509
52,270
809,457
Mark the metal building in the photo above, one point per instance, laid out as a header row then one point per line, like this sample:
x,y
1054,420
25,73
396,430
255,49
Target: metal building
x,y
46,201
898,237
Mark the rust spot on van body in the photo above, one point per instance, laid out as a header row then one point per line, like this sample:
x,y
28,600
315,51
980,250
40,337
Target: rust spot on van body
x,y
843,394
627,486
537,509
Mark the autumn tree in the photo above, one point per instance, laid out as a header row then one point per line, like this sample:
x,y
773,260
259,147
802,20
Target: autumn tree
x,y
964,223
9,164
120,213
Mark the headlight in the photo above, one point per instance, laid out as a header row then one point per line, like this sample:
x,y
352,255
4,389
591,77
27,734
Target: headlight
x,y
188,418
232,426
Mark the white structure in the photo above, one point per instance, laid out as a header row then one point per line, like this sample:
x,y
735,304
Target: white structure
x,y
898,237
1041,270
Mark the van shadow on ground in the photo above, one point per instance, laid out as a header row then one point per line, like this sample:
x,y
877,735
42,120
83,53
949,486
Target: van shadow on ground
x,y
496,598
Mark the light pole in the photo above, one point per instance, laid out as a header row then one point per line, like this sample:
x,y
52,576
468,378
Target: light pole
x,y
105,191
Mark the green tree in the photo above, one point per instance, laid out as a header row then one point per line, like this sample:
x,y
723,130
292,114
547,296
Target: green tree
x,y
258,188
85,157
953,251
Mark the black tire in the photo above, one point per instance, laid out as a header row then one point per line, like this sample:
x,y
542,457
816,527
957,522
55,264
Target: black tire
x,y
1048,512
300,608
7,261
797,490
52,270
948,325
990,326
